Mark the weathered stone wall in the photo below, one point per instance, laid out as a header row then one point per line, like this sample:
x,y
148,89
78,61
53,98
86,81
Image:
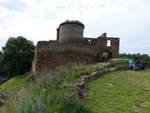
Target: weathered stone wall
x,y
51,55
114,45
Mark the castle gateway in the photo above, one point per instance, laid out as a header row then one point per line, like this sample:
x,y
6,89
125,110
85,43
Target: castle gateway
x,y
71,47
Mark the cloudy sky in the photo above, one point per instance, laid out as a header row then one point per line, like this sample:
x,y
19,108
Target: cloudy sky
x,y
37,20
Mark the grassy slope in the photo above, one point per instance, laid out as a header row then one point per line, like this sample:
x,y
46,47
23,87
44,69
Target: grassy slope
x,y
13,86
14,83
120,92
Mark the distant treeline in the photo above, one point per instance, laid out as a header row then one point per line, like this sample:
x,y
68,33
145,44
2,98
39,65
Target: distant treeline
x,y
138,57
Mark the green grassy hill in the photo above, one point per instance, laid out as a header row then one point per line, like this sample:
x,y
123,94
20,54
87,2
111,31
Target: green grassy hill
x,y
120,92
12,87
14,82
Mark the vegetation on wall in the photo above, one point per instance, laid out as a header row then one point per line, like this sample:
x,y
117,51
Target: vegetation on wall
x,y
17,56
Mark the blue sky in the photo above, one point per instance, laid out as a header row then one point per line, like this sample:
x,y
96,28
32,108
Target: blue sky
x,y
38,19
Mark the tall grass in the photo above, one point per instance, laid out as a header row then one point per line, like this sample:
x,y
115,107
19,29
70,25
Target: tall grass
x,y
48,95
74,73
118,61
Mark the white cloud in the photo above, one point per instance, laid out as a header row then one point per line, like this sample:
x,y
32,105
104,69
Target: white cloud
x,y
38,19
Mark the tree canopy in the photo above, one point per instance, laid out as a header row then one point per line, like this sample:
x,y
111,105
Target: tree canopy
x,y
0,53
0,62
17,55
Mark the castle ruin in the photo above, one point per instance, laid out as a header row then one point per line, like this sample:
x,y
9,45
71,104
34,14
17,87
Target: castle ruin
x,y
72,48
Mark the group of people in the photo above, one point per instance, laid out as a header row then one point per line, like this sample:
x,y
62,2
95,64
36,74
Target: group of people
x,y
135,65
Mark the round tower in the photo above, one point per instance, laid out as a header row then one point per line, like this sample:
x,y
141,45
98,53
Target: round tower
x,y
70,31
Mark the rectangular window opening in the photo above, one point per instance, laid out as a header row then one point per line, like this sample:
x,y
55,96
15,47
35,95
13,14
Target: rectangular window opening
x,y
108,43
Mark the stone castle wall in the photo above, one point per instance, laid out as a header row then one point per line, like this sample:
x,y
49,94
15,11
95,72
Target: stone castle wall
x,y
51,56
113,48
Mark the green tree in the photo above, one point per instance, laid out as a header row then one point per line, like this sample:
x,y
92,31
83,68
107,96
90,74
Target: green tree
x,y
17,55
0,53
0,63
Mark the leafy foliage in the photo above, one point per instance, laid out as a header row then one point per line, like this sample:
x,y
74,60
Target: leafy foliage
x,y
17,55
